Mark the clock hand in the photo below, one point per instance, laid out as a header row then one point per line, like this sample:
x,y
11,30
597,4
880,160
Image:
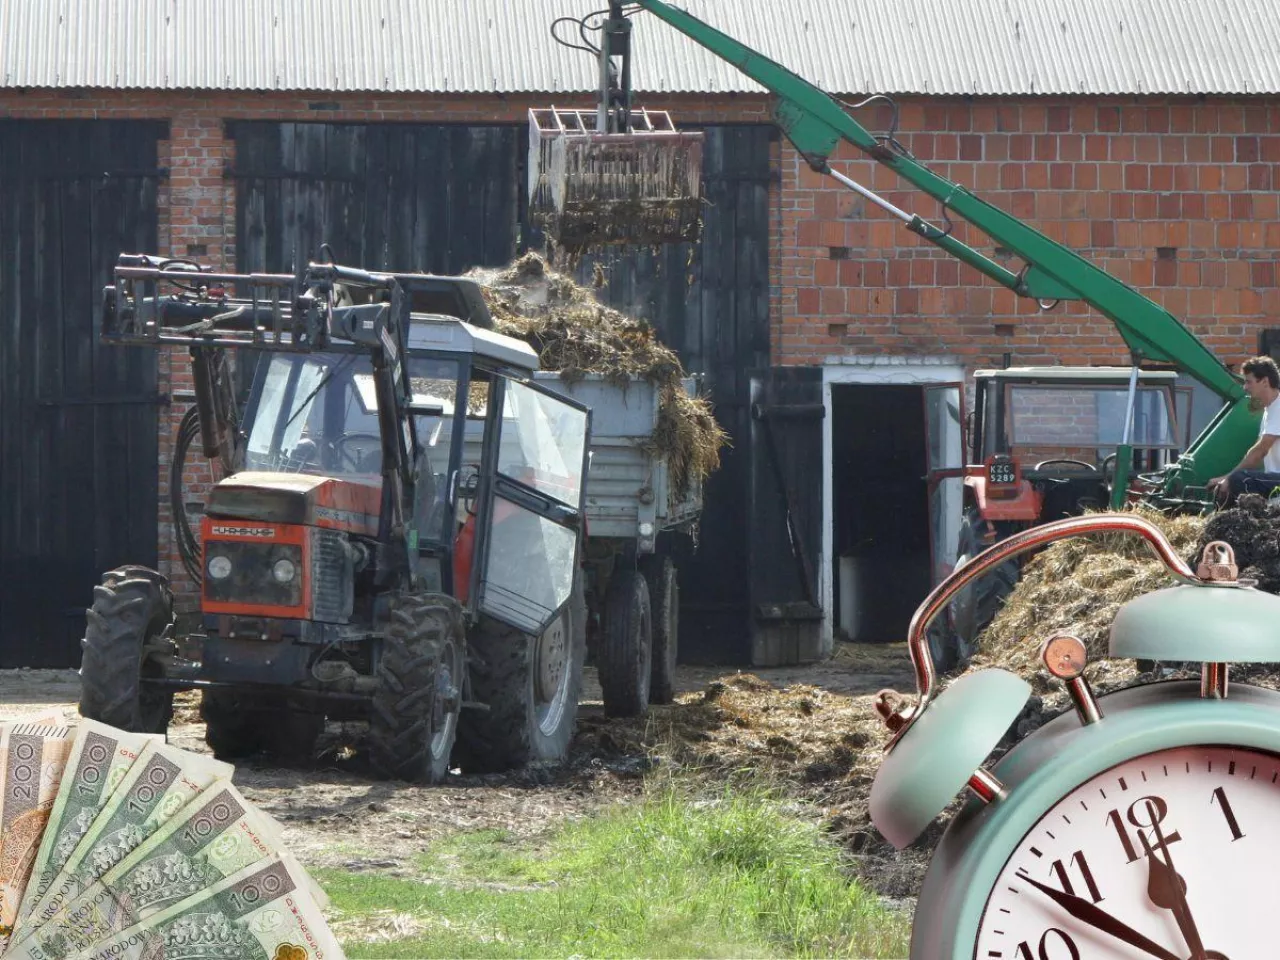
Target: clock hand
x,y
1086,912
1164,887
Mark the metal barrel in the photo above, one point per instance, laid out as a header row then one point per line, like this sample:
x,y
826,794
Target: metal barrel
x,y
591,189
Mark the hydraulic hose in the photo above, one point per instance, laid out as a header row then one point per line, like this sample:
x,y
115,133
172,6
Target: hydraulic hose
x,y
188,547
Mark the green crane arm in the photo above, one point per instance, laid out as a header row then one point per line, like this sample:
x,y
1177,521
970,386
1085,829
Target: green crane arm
x,y
815,122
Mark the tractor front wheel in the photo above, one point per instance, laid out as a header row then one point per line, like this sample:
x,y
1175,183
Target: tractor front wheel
x,y
131,617
976,605
413,720
530,688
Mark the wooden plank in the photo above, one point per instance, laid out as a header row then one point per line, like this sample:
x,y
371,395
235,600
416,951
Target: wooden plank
x,y
373,248
402,187
344,213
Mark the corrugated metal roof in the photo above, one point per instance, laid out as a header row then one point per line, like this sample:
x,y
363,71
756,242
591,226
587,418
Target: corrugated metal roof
x,y
984,47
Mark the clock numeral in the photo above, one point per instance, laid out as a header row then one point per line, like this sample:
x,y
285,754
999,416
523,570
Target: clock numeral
x,y
1220,797
1145,813
1059,869
1042,953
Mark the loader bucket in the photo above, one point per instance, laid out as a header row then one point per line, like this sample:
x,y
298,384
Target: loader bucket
x,y
590,189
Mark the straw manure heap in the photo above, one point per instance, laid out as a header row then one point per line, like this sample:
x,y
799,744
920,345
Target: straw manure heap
x,y
1078,585
575,334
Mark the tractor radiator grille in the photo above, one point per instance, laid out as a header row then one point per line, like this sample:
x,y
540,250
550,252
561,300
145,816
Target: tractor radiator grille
x,y
332,579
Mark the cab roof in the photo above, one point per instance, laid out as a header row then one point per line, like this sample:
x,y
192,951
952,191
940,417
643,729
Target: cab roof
x,y
428,331
1077,374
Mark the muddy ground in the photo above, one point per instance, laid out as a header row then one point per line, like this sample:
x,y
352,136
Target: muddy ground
x,y
801,729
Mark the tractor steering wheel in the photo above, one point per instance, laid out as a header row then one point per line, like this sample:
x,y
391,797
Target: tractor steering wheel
x,y
354,458
1109,472
1078,463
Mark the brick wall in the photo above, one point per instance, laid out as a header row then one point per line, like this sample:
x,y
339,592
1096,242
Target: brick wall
x,y
1174,197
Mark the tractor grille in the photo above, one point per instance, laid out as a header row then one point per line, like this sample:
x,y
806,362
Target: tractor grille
x,y
250,580
332,579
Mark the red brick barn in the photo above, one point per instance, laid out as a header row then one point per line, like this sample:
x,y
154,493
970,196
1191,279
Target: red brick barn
x,y
244,135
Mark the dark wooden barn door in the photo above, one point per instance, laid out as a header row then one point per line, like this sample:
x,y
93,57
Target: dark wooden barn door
x,y
710,302
428,198
78,421
786,515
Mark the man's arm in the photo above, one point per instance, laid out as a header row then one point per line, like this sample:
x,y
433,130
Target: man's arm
x,y
1253,458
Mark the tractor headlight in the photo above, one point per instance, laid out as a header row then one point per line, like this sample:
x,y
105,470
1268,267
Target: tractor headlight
x,y
283,571
219,567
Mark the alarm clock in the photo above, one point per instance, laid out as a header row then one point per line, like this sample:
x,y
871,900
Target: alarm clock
x,y
1144,823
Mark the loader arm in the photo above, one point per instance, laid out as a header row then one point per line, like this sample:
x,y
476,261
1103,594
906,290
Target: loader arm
x,y
815,122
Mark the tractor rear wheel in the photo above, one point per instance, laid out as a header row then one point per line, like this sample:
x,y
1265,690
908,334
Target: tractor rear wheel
x,y
974,607
664,601
530,685
131,617
237,727
232,730
413,719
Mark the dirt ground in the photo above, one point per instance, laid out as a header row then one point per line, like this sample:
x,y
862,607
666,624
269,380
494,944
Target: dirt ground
x,y
796,727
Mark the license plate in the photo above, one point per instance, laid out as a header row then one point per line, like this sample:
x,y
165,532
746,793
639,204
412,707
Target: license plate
x,y
1001,473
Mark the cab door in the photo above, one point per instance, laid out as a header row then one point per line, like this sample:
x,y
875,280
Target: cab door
x,y
945,433
532,497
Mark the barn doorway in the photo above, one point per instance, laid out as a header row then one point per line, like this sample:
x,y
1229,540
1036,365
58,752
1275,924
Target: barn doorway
x,y
892,520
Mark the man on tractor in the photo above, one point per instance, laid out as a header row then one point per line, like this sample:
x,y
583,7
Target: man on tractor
x,y
1259,469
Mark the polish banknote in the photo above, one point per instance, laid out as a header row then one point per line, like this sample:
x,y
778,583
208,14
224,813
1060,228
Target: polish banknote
x,y
263,912
217,834
100,757
157,785
34,756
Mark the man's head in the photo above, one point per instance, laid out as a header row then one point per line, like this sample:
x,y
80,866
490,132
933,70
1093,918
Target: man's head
x,y
1261,379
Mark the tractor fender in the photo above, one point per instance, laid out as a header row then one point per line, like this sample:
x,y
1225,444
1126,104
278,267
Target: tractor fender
x,y
1025,503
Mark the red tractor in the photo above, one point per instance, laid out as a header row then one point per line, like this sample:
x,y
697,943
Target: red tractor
x,y
1042,445
357,561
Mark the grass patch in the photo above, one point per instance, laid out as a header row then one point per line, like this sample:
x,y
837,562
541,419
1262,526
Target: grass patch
x,y
735,876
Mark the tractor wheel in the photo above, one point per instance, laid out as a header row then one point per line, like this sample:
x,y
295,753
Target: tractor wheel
x,y
530,686
413,720
973,608
236,727
290,735
626,650
664,602
232,729
131,616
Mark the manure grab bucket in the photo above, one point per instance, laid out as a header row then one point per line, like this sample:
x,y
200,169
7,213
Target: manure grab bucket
x,y
588,188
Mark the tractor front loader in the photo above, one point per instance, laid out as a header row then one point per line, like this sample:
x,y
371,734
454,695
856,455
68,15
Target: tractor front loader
x,y
353,563
1049,273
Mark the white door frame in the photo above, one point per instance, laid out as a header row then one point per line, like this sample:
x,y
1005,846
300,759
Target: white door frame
x,y
885,371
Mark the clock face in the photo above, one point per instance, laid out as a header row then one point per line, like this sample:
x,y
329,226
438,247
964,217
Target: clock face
x,y
1171,855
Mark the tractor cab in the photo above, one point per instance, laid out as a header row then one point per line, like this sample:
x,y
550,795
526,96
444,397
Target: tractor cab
x,y
1043,444
1043,441
397,533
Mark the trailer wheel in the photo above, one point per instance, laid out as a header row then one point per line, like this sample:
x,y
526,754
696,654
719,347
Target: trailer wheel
x,y
413,720
664,601
626,650
131,616
530,687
